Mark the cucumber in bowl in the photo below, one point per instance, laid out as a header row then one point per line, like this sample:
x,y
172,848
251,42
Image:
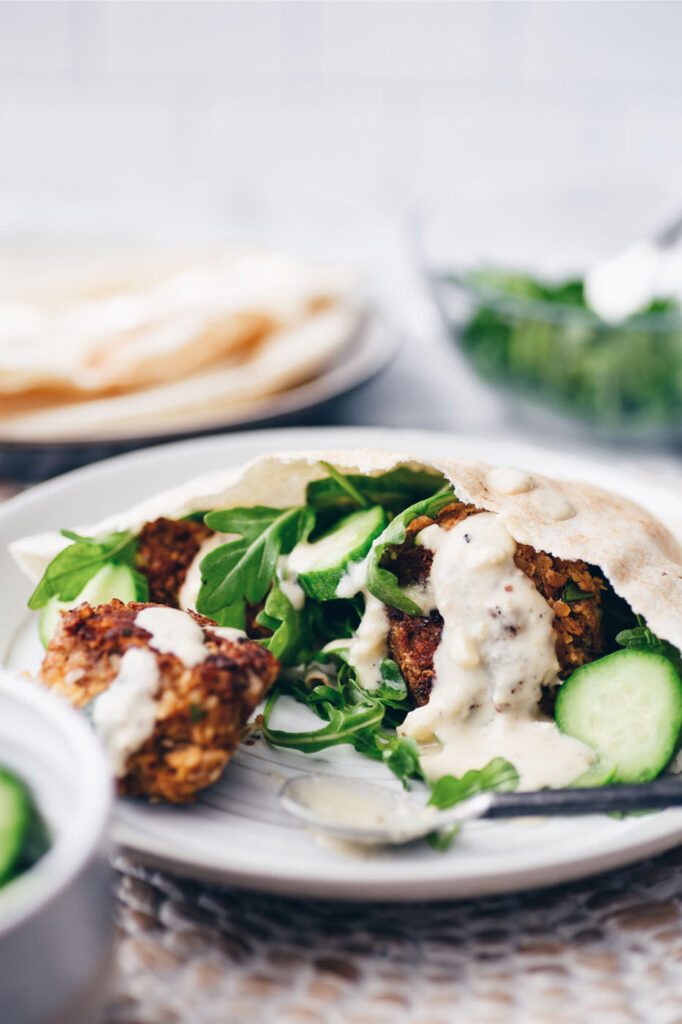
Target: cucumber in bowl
x,y
23,837
627,706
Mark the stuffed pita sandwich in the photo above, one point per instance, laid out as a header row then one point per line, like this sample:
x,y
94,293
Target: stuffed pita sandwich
x,y
446,617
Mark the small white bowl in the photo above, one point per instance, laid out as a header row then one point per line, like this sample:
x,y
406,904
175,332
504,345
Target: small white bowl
x,y
56,919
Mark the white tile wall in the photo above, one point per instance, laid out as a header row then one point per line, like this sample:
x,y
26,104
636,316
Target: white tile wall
x,y
180,40
204,106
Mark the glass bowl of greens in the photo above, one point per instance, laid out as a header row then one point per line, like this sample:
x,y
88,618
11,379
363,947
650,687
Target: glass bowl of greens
x,y
508,278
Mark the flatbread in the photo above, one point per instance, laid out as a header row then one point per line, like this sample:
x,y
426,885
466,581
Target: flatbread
x,y
283,359
638,555
167,318
105,348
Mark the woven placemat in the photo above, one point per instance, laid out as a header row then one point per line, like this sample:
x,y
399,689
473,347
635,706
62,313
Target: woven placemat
x,y
608,949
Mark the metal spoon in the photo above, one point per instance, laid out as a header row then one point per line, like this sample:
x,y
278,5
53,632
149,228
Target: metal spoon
x,y
372,815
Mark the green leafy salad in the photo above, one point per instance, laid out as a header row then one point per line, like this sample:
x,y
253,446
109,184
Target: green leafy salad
x,y
541,338
305,581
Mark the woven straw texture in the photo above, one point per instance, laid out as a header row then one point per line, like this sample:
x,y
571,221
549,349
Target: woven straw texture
x,y
606,950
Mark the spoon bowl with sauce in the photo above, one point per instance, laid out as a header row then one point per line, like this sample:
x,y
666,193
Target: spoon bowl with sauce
x,y
367,814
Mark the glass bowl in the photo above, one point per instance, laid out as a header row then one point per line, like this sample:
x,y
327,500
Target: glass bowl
x,y
506,273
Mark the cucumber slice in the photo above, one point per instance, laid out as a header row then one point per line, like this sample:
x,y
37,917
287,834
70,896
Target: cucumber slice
x,y
15,808
600,774
628,708
111,581
326,559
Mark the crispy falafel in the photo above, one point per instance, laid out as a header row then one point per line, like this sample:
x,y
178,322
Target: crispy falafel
x,y
165,550
201,710
413,639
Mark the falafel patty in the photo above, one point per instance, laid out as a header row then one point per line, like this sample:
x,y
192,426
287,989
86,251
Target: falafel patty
x,y
165,551
166,548
413,639
200,711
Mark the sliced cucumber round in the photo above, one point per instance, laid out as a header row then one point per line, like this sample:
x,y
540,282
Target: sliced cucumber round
x,y
15,811
349,541
628,708
600,774
111,581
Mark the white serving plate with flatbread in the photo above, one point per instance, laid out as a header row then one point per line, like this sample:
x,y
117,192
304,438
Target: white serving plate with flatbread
x,y
237,832
198,405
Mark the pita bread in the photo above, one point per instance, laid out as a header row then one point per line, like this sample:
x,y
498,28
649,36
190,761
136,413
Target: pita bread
x,y
637,554
282,360
106,351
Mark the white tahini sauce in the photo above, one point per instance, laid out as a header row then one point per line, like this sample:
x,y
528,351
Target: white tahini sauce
x,y
229,632
507,480
302,558
347,803
174,632
353,580
369,645
189,591
288,584
497,650
552,504
124,715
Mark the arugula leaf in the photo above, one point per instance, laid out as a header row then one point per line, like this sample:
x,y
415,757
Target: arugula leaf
x,y
342,725
334,620
641,638
498,774
356,714
346,485
572,592
193,517
232,615
400,754
245,568
381,582
291,639
392,690
75,565
393,490
442,841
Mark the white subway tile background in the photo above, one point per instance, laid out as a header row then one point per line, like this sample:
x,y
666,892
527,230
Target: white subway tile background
x,y
205,104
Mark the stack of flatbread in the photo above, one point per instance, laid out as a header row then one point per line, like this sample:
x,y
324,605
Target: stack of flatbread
x,y
172,341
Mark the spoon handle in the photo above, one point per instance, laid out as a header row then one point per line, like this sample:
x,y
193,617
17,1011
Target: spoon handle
x,y
647,796
670,235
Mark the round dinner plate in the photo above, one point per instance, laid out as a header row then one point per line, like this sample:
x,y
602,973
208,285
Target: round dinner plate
x,y
237,831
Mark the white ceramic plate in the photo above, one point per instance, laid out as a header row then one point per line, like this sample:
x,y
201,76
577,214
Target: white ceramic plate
x,y
237,832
